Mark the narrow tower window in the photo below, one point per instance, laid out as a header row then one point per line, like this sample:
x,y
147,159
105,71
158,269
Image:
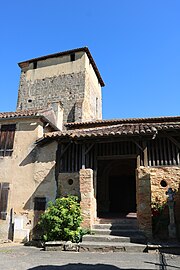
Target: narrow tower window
x,y
34,65
96,106
72,56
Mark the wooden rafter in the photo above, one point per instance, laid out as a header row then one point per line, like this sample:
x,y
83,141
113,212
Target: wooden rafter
x,y
64,151
173,141
83,157
138,145
90,147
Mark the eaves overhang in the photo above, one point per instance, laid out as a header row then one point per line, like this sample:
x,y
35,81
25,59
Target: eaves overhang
x,y
16,116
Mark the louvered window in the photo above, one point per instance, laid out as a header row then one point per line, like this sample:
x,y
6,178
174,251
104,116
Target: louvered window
x,y
7,139
4,192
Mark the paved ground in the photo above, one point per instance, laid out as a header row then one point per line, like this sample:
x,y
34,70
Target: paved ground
x,y
30,258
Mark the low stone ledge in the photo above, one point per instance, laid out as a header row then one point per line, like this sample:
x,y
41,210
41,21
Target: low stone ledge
x,y
69,246
170,247
61,246
54,246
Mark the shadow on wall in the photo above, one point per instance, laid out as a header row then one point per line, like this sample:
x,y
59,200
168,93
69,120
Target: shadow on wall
x,y
45,191
77,266
161,220
42,189
71,115
177,211
35,156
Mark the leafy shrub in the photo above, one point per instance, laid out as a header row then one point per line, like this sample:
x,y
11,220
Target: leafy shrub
x,y
61,220
160,219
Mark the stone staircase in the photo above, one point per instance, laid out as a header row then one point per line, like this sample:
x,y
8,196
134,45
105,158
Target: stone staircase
x,y
114,235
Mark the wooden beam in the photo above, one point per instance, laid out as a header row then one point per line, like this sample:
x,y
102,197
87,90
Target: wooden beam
x,y
174,154
116,157
110,140
95,158
90,147
136,143
165,153
65,149
58,167
138,161
145,153
83,157
169,152
149,152
173,141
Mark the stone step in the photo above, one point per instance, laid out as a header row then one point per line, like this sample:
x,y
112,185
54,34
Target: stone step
x,y
117,226
124,232
106,238
132,221
111,247
133,238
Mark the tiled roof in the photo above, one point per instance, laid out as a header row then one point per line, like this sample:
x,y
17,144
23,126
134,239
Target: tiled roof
x,y
18,114
44,115
99,123
134,129
83,49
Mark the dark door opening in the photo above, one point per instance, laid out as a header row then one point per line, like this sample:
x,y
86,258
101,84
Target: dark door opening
x,y
116,187
122,194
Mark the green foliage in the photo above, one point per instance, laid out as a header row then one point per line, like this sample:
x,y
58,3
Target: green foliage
x,y
160,219
61,220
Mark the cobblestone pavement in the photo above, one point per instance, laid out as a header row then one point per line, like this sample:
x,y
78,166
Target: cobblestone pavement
x,y
19,257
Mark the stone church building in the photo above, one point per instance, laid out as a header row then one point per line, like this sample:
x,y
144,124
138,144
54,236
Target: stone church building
x,y
56,144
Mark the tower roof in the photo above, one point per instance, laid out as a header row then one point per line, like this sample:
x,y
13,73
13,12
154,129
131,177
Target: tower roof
x,y
83,49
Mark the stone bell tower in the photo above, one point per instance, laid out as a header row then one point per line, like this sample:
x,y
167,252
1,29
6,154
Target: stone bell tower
x,y
69,79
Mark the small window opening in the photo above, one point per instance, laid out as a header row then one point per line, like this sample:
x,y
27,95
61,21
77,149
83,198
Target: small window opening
x,y
34,65
70,182
163,183
40,203
72,56
29,100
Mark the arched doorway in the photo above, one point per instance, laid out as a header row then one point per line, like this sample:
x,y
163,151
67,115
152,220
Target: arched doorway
x,y
116,187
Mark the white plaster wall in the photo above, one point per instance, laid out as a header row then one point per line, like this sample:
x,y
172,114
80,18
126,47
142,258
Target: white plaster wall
x,y
30,171
55,68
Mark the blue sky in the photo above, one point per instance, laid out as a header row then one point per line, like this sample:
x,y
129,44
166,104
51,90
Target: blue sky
x,y
135,44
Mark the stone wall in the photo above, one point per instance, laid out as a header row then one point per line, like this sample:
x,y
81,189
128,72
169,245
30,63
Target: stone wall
x,y
68,184
38,94
156,180
143,199
82,185
88,202
74,84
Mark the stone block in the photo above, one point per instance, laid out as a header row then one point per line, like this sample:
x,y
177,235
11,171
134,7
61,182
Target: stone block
x,y
69,246
54,246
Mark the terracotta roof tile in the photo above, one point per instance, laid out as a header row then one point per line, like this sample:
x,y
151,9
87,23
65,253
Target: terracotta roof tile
x,y
99,123
140,129
19,114
44,115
